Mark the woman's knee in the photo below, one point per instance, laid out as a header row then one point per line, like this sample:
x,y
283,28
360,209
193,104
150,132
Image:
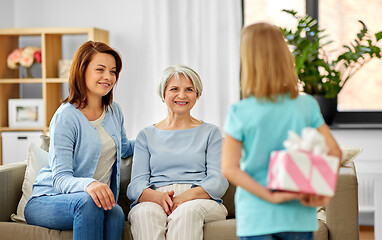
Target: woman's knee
x,y
145,209
86,205
116,213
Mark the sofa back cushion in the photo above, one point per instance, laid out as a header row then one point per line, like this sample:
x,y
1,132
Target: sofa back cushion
x,y
125,177
37,158
229,200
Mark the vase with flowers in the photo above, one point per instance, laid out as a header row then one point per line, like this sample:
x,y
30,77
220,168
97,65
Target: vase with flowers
x,y
24,57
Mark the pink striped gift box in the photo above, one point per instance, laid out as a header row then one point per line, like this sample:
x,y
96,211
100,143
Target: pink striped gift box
x,y
300,171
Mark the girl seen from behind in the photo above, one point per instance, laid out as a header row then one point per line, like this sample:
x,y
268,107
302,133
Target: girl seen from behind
x,y
258,125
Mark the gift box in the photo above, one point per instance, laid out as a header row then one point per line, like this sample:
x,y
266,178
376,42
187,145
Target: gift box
x,y
302,171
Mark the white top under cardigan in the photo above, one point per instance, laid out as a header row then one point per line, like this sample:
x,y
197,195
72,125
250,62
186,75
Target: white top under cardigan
x,y
108,153
165,157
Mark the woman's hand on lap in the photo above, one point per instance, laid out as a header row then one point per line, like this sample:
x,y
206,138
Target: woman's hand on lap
x,y
166,201
101,195
184,197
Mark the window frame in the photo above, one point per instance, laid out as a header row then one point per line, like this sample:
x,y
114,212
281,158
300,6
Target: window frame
x,y
352,118
346,117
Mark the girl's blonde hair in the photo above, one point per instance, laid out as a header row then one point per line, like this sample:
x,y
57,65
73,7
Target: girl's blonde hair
x,y
267,64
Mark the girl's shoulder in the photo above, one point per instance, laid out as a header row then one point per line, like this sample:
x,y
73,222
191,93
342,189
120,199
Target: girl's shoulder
x,y
244,104
305,96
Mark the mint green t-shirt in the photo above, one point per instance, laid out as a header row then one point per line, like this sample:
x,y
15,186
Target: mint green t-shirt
x,y
262,126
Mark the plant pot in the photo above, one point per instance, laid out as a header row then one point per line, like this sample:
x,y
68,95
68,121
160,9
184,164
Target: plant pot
x,y
328,108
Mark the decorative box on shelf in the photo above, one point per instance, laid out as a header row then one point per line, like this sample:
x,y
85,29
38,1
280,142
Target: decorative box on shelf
x,y
15,145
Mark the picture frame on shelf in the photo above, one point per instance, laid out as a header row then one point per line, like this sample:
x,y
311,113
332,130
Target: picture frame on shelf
x,y
26,113
64,68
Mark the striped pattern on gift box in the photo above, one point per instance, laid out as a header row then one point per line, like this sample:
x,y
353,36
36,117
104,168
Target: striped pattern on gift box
x,y
300,171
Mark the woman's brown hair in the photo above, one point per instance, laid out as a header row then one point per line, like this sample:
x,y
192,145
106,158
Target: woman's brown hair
x,y
267,64
81,60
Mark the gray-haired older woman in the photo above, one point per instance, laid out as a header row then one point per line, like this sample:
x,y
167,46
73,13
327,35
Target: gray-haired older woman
x,y
177,183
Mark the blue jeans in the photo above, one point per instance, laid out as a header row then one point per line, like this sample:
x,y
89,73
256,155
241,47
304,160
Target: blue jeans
x,y
282,236
76,211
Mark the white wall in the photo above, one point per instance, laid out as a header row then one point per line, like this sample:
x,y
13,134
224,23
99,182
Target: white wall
x,y
368,163
7,9
122,18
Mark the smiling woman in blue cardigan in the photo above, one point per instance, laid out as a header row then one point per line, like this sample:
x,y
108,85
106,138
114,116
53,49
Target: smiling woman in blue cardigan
x,y
79,188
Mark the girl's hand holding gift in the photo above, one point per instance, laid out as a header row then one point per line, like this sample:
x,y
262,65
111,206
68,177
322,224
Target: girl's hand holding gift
x,y
315,200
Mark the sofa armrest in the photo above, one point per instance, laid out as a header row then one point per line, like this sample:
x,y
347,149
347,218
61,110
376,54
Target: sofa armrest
x,y
11,180
342,211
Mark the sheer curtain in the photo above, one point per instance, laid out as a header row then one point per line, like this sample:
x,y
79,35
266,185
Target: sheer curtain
x,y
204,35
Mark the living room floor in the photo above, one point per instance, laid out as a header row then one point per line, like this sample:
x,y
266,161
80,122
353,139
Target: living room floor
x,y
366,233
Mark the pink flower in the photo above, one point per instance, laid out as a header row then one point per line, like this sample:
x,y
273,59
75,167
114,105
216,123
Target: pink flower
x,y
14,58
25,57
37,56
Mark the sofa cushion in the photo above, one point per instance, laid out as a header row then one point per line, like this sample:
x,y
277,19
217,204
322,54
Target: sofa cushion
x,y
125,177
11,180
37,158
349,154
18,230
322,232
220,230
229,200
45,142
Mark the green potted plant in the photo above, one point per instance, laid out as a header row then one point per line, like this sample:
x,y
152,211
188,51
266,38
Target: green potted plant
x,y
319,75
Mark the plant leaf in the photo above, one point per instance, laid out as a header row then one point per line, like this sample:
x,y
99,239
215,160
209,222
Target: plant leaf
x,y
378,36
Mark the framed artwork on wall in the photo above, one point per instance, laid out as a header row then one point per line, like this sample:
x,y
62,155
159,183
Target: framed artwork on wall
x,y
26,113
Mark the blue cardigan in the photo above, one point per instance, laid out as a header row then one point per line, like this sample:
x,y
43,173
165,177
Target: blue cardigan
x,y
75,148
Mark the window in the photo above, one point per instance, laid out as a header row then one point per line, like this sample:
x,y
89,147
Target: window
x,y
270,11
360,101
363,92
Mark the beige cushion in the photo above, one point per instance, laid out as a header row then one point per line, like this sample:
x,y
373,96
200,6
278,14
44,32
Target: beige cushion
x,y
322,232
16,231
349,154
220,230
37,158
45,142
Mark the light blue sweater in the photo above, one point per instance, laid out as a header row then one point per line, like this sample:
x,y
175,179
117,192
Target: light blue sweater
x,y
165,157
75,148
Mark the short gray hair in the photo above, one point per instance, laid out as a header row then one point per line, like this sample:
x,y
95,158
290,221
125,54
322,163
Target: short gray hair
x,y
176,70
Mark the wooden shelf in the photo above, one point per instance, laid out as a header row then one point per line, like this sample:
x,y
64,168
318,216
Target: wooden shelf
x,y
20,80
51,84
90,31
56,80
7,129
